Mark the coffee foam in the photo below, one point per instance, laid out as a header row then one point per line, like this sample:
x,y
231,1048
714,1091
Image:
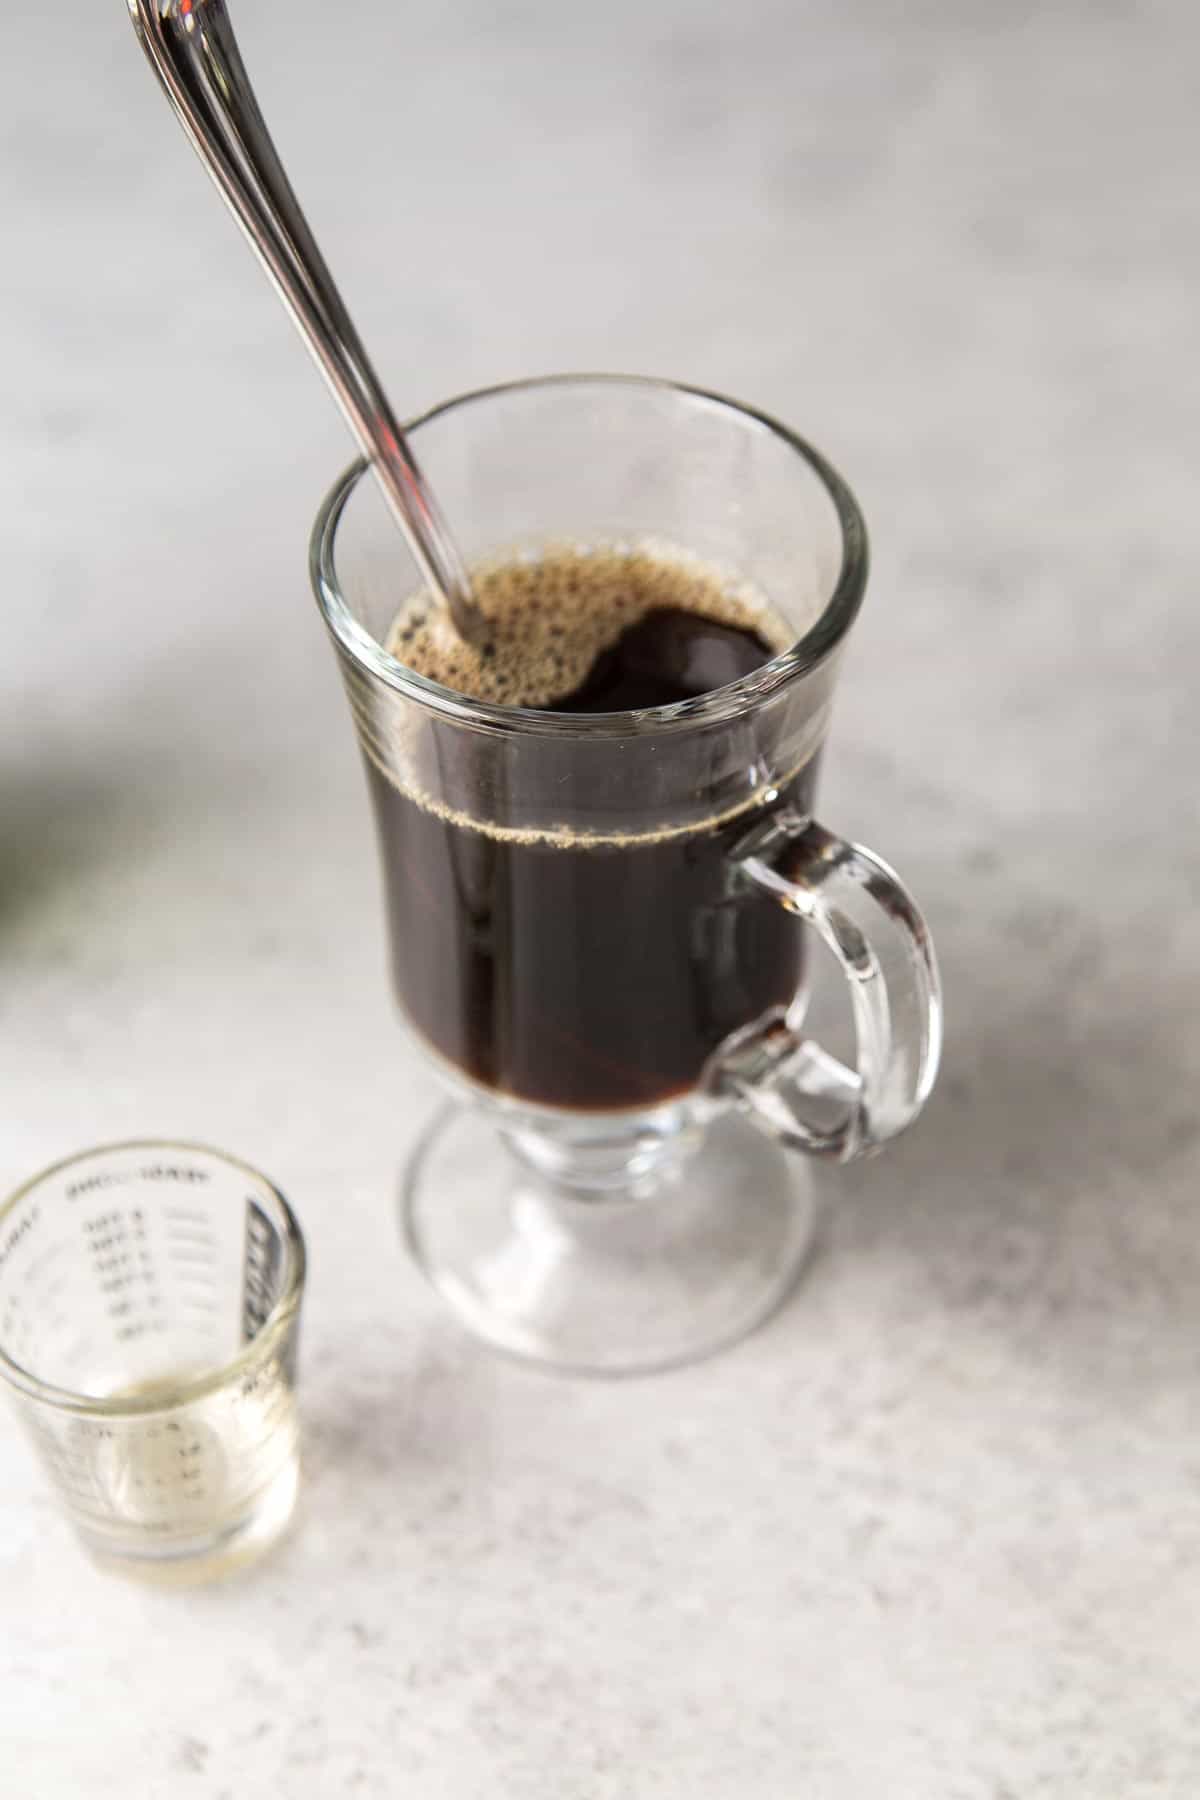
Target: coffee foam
x,y
553,611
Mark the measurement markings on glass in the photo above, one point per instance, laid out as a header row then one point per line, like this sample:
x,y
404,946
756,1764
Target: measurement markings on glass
x,y
190,1261
187,1234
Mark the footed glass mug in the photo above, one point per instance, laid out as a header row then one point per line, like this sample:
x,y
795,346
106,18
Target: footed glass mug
x,y
600,923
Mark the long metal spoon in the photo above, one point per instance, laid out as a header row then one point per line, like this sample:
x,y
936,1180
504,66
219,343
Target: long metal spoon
x,y
192,49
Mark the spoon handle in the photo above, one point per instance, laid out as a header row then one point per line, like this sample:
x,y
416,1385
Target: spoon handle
x,y
192,49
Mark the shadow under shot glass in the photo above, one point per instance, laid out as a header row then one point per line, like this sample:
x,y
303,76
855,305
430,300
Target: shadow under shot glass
x,y
149,1311
601,922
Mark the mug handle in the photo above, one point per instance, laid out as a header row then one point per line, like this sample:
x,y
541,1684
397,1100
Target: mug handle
x,y
861,910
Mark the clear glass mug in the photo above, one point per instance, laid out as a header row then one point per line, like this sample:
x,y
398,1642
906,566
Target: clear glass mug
x,y
599,922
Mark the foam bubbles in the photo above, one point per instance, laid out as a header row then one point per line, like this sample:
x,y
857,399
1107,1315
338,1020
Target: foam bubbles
x,y
553,611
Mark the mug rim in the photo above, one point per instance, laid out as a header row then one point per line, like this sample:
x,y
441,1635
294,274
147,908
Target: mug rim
x,y
733,700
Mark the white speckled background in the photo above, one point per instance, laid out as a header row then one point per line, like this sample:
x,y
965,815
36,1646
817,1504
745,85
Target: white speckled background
x,y
935,1534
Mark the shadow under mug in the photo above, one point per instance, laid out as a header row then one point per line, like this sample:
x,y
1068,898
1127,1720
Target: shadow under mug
x,y
600,923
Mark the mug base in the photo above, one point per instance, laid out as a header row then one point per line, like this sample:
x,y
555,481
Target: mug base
x,y
678,1264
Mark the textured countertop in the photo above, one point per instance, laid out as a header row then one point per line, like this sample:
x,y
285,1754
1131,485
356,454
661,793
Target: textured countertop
x,y
935,1533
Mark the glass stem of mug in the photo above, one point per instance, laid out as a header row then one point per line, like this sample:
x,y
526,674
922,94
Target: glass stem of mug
x,y
594,1161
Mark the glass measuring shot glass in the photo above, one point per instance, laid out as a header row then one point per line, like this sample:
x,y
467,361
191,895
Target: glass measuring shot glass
x,y
603,924
149,1310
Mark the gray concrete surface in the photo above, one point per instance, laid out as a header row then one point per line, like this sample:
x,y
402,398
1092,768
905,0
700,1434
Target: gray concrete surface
x,y
935,1533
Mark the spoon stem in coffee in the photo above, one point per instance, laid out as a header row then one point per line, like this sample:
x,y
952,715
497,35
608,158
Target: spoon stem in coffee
x,y
191,46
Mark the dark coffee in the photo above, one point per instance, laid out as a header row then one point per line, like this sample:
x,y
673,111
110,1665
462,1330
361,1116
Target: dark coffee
x,y
579,974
